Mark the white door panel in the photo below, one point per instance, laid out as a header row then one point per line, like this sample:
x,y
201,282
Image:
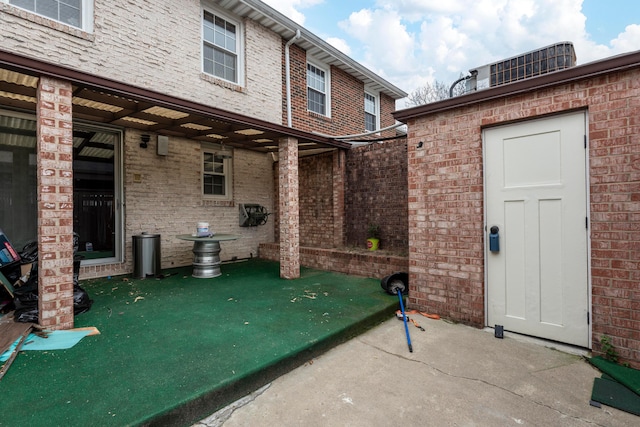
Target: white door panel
x,y
535,178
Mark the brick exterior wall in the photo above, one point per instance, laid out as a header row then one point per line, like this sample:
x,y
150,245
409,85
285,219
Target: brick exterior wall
x,y
316,201
387,107
346,98
156,45
334,198
325,182
374,190
446,209
55,204
163,195
315,196
377,193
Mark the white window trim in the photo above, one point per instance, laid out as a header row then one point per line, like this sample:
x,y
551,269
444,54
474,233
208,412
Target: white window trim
x,y
327,93
376,96
239,43
228,167
87,15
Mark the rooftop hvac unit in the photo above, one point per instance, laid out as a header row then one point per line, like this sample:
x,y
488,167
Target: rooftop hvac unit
x,y
534,63
252,215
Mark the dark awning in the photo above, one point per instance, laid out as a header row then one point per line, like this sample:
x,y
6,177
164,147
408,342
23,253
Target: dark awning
x,y
106,101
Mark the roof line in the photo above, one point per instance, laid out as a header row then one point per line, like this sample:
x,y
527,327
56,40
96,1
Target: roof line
x,y
309,36
568,75
36,67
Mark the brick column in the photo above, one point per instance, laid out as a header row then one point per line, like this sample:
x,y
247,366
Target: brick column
x,y
289,208
339,182
55,204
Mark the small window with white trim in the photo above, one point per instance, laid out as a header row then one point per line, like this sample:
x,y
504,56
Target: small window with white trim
x,y
221,46
371,109
317,90
75,13
216,173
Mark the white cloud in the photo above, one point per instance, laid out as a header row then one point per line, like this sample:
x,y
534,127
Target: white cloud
x,y
627,41
416,9
387,45
291,8
339,44
488,30
412,42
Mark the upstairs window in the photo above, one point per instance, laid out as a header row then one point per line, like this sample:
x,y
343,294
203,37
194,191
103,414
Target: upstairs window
x,y
216,173
75,13
221,47
316,90
370,112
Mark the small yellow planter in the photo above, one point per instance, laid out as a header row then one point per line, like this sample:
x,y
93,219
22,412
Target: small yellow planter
x,y
373,244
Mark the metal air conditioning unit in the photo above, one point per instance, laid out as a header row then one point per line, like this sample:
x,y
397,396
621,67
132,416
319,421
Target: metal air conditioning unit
x,y
545,60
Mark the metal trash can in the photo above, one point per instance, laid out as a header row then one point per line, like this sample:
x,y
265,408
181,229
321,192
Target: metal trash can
x,y
146,255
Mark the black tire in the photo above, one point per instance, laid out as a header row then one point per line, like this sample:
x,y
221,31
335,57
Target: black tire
x,y
392,280
384,283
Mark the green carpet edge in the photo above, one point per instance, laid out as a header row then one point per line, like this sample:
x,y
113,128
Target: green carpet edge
x,y
207,403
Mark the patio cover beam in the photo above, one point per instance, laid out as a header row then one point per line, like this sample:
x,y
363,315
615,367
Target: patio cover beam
x,y
37,68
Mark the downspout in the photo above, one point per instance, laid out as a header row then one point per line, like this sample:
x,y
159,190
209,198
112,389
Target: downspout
x,y
287,73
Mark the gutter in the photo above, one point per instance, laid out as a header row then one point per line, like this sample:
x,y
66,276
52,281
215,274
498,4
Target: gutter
x,y
287,72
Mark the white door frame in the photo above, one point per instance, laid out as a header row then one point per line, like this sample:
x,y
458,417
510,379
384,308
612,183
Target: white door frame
x,y
588,211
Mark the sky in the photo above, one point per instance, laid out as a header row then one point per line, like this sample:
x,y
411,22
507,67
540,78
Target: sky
x,y
414,42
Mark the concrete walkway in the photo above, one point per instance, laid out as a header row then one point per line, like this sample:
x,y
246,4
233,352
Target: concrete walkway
x,y
456,376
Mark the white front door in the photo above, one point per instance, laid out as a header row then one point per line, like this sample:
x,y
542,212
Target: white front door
x,y
535,178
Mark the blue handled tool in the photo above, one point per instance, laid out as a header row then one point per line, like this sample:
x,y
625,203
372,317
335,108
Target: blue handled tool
x,y
396,286
404,318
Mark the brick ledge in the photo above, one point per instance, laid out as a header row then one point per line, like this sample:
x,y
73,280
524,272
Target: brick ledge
x,y
370,264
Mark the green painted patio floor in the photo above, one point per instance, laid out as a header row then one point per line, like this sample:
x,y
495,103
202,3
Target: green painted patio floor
x,y
174,350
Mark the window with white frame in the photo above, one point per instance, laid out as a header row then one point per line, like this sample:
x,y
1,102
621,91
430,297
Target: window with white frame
x,y
75,13
221,46
317,89
216,173
371,108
